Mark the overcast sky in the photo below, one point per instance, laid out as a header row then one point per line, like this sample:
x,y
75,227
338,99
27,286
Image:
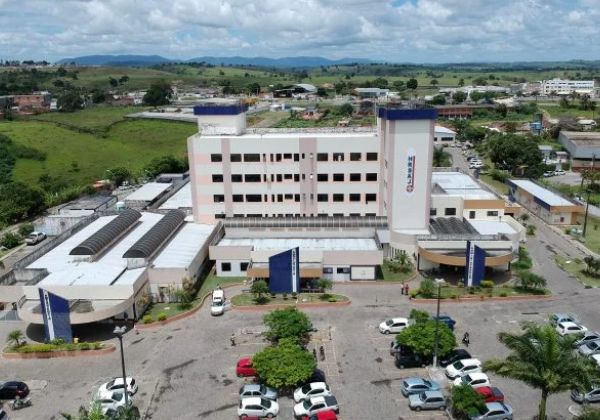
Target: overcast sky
x,y
390,30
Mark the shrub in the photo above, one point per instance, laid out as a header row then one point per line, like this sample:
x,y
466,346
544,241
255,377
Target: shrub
x,y
10,240
503,294
530,230
25,229
453,296
418,315
285,296
57,341
161,316
261,300
427,288
471,290
97,345
287,323
413,294
147,319
332,299
34,348
529,280
84,346
325,296
487,284
294,295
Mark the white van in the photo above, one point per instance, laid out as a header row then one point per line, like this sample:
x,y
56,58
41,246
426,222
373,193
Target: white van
x,y
217,306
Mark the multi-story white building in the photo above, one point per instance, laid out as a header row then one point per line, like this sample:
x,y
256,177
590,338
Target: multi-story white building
x,y
565,87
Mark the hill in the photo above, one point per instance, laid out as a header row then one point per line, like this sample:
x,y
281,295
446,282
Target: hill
x,y
116,60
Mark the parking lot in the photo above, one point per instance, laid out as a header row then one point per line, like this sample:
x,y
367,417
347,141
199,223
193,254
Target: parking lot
x,y
186,369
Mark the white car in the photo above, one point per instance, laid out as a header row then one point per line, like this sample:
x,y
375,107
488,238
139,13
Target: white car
x,y
559,172
475,380
394,325
315,405
35,237
565,328
463,367
217,306
257,407
596,358
114,401
313,389
117,385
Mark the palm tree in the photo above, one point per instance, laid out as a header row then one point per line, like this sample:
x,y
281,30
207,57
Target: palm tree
x,y
544,360
15,337
440,158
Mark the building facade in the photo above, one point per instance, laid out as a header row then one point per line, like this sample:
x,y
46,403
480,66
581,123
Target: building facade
x,y
566,87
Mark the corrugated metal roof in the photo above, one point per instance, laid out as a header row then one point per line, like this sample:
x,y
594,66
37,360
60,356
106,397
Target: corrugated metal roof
x,y
160,232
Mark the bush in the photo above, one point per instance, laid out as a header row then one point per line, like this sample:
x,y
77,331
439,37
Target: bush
x,y
34,348
332,299
487,284
10,240
25,229
529,280
285,296
147,319
471,290
261,300
466,402
57,341
427,288
453,296
325,296
530,230
294,295
503,294
161,316
84,346
287,323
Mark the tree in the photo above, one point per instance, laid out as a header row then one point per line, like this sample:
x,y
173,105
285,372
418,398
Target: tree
x,y
184,298
529,280
124,79
588,414
592,266
287,323
18,201
461,82
61,72
119,175
259,289
98,96
253,88
113,82
438,100
165,164
441,158
285,365
398,84
459,97
321,92
346,109
159,93
399,263
420,337
69,101
434,82
502,110
15,338
10,240
511,151
412,83
427,287
419,316
545,361
466,402
325,285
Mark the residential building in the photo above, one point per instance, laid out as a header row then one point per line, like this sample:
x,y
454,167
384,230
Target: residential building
x,y
32,104
566,87
583,148
443,136
371,92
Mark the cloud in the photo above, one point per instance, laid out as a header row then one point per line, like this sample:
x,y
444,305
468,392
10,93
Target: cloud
x,y
390,30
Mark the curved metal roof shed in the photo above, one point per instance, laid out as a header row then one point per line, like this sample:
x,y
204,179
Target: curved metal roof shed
x,y
148,244
108,234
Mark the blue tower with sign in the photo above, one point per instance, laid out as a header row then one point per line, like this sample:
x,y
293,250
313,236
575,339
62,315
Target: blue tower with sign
x,y
475,265
284,272
57,319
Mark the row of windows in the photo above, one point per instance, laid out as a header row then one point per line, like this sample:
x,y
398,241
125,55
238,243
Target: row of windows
x,y
226,266
451,211
355,177
320,215
280,198
281,157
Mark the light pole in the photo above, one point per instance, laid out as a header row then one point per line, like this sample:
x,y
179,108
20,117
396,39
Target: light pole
x,y
437,324
587,202
119,331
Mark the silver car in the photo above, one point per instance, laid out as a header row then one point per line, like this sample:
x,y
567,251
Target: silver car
x,y
415,385
257,390
589,348
587,337
428,400
495,411
586,397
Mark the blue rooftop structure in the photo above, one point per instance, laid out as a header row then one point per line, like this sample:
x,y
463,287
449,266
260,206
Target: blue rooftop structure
x,y
393,113
220,109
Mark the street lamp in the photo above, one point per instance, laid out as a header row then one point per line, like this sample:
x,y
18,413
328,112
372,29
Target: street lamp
x,y
437,324
119,331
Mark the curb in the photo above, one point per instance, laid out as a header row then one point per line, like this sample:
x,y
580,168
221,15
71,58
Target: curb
x,y
287,305
484,298
181,315
59,353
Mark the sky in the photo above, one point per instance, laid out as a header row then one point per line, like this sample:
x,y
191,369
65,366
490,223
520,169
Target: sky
x,y
417,31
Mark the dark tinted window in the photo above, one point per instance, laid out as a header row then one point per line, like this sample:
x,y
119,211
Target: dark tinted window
x,y
322,198
252,157
236,157
322,157
355,156
354,177
218,198
216,157
450,211
338,177
338,197
371,156
253,198
236,178
252,178
322,177
238,198
371,177
217,178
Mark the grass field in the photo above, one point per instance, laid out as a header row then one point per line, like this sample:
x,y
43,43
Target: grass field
x,y
453,292
131,144
247,299
592,233
97,117
576,268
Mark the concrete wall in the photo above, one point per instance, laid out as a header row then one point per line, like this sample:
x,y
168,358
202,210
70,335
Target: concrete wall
x,y
235,268
301,232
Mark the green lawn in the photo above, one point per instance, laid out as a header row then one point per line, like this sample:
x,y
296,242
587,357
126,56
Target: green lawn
x,y
389,275
96,117
592,234
131,144
247,299
452,292
576,267
500,187
555,110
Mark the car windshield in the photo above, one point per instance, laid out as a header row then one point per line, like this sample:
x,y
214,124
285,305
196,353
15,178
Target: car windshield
x,y
265,403
466,379
306,405
427,383
305,388
422,396
389,322
458,365
110,384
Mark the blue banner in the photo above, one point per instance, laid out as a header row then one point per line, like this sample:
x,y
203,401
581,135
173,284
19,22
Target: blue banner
x,y
475,266
57,320
284,272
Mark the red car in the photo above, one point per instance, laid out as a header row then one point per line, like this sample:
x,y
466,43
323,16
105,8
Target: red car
x,y
491,394
244,367
323,415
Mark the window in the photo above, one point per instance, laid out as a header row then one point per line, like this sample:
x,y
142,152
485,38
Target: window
x,y
327,270
338,157
225,266
279,177
433,212
354,177
218,198
217,178
472,214
287,156
220,216
338,198
355,157
338,177
238,198
244,266
252,178
450,211
322,157
236,178
370,215
288,197
371,177
288,177
343,270
297,177
371,156
216,157
297,198
322,198
236,157
354,197
253,198
323,177
252,157
370,197
296,157
279,198
492,213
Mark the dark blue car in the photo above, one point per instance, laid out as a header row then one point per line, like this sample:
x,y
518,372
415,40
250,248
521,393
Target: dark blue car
x,y
450,323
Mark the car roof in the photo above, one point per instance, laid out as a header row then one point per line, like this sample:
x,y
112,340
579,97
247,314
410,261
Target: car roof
x,y
433,394
568,324
478,375
471,361
414,380
399,319
251,400
317,385
218,293
245,359
596,357
251,387
496,406
462,351
484,390
315,400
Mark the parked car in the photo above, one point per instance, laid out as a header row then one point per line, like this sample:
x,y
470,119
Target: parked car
x,y
117,385
567,328
589,348
394,325
258,390
315,405
410,359
11,389
476,165
593,395
587,337
259,407
558,317
113,401
395,347
495,411
548,174
454,356
490,393
317,376
463,367
415,385
217,306
475,380
596,359
35,238
322,415
450,323
559,172
244,367
314,389
3,415
427,400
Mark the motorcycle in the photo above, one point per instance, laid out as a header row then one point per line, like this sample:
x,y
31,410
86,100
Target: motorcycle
x,y
20,403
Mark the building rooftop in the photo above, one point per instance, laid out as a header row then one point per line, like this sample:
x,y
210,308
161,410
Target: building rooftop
x,y
492,227
182,199
308,244
441,129
582,138
458,184
184,247
541,193
89,202
148,192
304,132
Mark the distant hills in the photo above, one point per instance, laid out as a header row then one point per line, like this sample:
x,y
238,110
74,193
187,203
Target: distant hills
x,y
150,60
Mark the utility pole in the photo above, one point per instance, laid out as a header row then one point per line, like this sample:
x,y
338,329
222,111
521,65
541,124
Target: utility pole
x,y
119,331
437,324
587,201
